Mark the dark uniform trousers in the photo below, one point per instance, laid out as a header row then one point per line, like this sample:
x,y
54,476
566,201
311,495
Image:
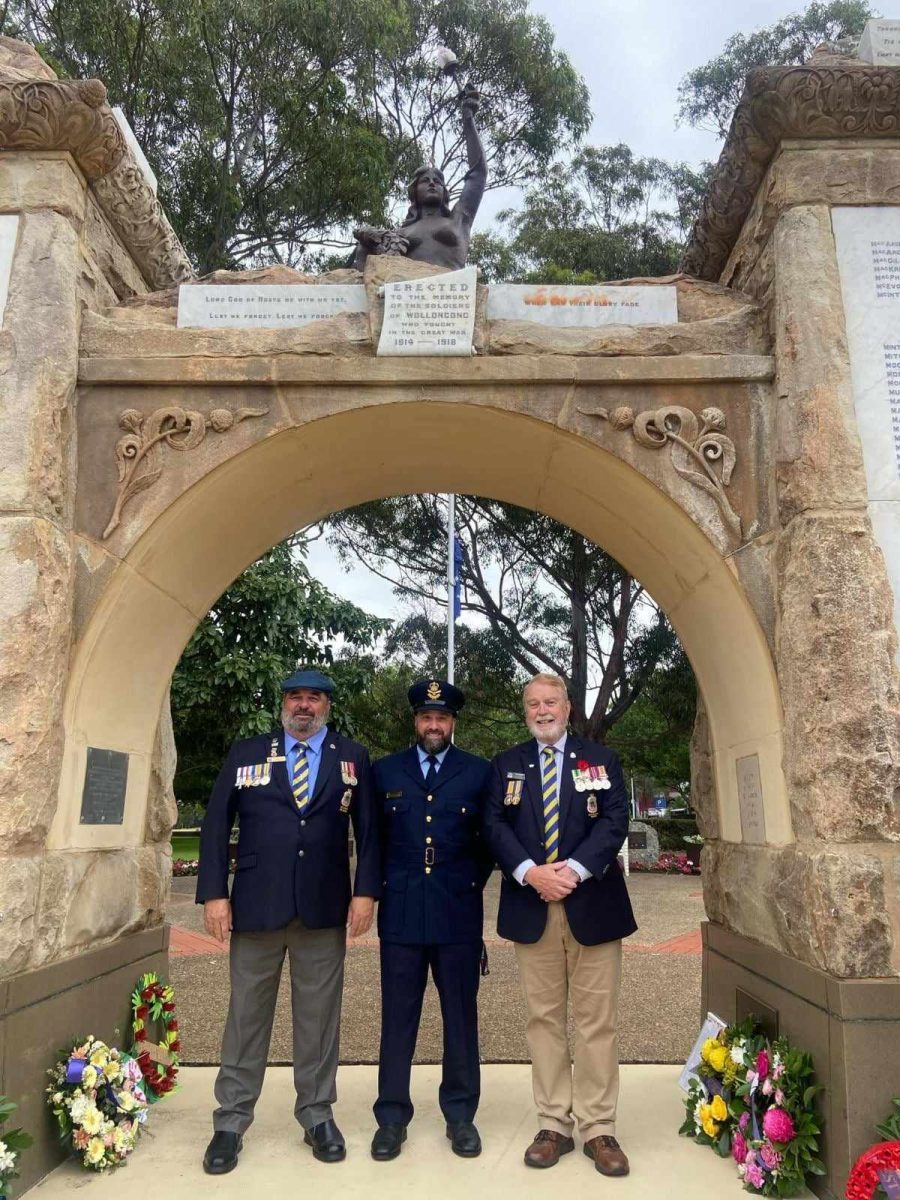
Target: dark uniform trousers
x,y
290,896
430,918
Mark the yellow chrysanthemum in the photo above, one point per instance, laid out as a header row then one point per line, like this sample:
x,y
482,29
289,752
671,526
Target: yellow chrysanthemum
x,y
710,1127
92,1121
96,1150
718,1057
111,1070
89,1077
718,1109
708,1046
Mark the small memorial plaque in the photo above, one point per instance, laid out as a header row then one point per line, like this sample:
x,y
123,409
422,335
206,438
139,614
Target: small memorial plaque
x,y
103,797
880,43
750,799
583,307
434,315
637,841
265,305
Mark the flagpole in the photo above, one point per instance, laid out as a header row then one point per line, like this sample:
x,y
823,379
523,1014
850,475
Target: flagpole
x,y
451,587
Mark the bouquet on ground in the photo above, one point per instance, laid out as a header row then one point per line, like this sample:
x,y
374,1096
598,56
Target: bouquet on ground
x,y
12,1143
755,1100
97,1098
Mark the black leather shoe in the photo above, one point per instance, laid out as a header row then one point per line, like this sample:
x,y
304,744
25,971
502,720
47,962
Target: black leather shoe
x,y
464,1139
327,1142
222,1152
387,1142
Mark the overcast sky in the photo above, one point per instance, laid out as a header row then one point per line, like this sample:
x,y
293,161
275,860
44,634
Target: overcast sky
x,y
632,56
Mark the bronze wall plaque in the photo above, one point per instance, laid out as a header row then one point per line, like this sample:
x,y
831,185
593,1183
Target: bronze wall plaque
x,y
103,796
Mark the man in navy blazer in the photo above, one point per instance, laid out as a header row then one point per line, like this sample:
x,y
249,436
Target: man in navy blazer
x,y
556,818
295,794
436,864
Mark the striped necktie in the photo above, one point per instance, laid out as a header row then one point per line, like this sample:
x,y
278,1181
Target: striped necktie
x,y
300,777
551,803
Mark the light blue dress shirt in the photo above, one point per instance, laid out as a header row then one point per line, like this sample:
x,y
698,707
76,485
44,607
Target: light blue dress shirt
x,y
423,759
313,755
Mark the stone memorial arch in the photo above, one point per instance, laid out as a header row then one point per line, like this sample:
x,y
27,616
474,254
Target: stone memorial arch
x,y
739,461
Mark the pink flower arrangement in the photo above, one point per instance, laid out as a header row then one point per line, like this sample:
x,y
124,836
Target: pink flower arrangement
x,y
744,1122
777,1125
769,1156
754,1176
739,1148
762,1064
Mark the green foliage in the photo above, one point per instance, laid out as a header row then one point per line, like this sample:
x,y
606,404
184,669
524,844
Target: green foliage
x,y
708,95
226,684
547,598
653,737
672,831
890,1127
607,214
273,124
15,1140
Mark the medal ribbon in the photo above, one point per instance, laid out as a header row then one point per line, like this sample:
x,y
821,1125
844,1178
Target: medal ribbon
x,y
300,777
551,803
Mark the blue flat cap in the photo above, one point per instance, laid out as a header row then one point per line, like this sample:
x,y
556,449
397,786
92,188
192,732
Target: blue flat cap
x,y
314,680
435,693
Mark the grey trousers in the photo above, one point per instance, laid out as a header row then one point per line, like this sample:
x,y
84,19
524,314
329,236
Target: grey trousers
x,y
317,980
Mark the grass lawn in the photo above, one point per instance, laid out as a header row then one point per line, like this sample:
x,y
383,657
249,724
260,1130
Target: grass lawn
x,y
185,845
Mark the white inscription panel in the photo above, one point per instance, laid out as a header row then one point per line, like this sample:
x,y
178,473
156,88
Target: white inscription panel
x,y
880,43
434,315
597,304
868,252
750,799
265,305
9,228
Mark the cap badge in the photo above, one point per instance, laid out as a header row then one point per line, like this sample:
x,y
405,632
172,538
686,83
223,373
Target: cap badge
x,y
434,690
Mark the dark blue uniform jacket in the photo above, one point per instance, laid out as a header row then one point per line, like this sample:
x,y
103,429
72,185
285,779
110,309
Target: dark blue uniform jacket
x,y
599,909
436,862
290,864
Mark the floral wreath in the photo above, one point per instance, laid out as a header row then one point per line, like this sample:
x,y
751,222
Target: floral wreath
x,y
153,1000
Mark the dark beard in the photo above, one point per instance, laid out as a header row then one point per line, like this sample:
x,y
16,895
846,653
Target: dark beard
x,y
441,743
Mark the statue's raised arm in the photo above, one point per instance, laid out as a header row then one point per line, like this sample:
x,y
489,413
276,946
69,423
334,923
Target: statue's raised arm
x,y
433,232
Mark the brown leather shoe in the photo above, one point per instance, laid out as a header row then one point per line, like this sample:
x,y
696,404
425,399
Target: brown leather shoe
x,y
609,1157
547,1148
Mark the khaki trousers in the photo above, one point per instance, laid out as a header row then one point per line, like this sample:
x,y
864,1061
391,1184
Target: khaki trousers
x,y
553,970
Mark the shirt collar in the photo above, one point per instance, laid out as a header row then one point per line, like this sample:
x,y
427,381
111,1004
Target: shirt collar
x,y
423,756
313,744
559,747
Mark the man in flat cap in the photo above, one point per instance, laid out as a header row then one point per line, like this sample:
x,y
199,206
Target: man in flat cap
x,y
295,793
435,867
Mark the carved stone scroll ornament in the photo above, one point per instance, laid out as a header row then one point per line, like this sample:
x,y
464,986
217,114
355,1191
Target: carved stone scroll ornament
x,y
846,99
138,458
137,216
43,114
700,450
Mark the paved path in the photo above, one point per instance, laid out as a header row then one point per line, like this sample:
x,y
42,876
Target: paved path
x,y
660,1009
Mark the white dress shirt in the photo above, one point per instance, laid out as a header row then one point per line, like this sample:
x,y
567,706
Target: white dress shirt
x,y
582,872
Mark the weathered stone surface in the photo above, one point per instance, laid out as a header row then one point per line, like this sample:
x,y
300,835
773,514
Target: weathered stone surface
x,y
89,897
19,884
812,173
698,299
36,181
754,567
115,275
162,810
20,61
37,390
835,658
128,333
650,854
741,332
819,457
35,632
821,904
704,801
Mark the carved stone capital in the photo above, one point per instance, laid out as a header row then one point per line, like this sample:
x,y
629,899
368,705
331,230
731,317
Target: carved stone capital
x,y
39,112
827,98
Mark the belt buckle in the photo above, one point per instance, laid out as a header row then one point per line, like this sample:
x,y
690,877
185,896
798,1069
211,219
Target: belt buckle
x,y
429,856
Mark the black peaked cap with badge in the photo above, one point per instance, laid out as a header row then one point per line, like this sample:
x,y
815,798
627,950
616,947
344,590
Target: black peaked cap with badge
x,y
437,694
315,681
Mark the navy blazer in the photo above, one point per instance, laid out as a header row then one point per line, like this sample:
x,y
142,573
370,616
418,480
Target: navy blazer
x,y
436,861
599,909
290,863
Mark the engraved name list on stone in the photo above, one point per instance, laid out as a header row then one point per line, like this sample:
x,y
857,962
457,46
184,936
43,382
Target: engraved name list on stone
x,y
265,305
434,315
105,780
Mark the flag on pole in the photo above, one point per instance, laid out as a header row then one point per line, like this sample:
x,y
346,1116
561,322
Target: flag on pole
x,y
457,577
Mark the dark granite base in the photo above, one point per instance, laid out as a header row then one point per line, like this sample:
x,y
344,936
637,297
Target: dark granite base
x,y
43,1010
851,1027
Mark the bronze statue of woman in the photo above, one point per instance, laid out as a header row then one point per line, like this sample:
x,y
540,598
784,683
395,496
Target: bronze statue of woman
x,y
432,232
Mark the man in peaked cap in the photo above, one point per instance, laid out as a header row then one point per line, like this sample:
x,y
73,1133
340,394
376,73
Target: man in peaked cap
x,y
295,792
431,915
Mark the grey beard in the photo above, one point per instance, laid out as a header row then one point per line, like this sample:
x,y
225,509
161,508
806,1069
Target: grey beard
x,y
288,723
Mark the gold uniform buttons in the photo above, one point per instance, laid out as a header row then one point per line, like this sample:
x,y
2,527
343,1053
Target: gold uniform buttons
x,y
428,841
428,818
428,870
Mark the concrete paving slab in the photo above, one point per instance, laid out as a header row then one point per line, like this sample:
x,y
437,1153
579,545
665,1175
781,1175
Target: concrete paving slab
x,y
274,1161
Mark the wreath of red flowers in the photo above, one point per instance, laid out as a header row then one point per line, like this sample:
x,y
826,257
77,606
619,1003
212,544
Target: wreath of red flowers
x,y
153,1000
864,1178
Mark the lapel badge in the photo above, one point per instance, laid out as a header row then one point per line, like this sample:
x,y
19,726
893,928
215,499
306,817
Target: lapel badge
x,y
348,773
345,800
592,805
274,756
